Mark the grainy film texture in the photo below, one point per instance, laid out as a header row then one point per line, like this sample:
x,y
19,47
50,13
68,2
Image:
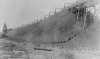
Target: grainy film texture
x,y
49,29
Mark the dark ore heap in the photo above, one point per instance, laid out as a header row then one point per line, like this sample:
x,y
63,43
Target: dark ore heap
x,y
56,29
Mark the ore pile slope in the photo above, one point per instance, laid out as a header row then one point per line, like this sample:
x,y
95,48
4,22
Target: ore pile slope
x,y
47,27
55,28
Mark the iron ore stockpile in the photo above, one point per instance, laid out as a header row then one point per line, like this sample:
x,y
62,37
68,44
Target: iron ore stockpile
x,y
53,37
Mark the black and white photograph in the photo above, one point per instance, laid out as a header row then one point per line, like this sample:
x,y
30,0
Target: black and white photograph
x,y
49,29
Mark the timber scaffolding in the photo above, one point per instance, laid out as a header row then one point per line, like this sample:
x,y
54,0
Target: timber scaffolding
x,y
81,12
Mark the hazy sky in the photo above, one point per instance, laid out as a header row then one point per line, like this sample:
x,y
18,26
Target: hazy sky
x,y
17,12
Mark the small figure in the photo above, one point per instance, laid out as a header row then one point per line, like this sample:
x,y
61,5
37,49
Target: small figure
x,y
4,30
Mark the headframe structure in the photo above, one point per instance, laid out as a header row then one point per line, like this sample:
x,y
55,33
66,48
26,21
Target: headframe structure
x,y
81,11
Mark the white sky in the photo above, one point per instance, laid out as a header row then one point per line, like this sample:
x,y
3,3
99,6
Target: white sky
x,y
17,12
